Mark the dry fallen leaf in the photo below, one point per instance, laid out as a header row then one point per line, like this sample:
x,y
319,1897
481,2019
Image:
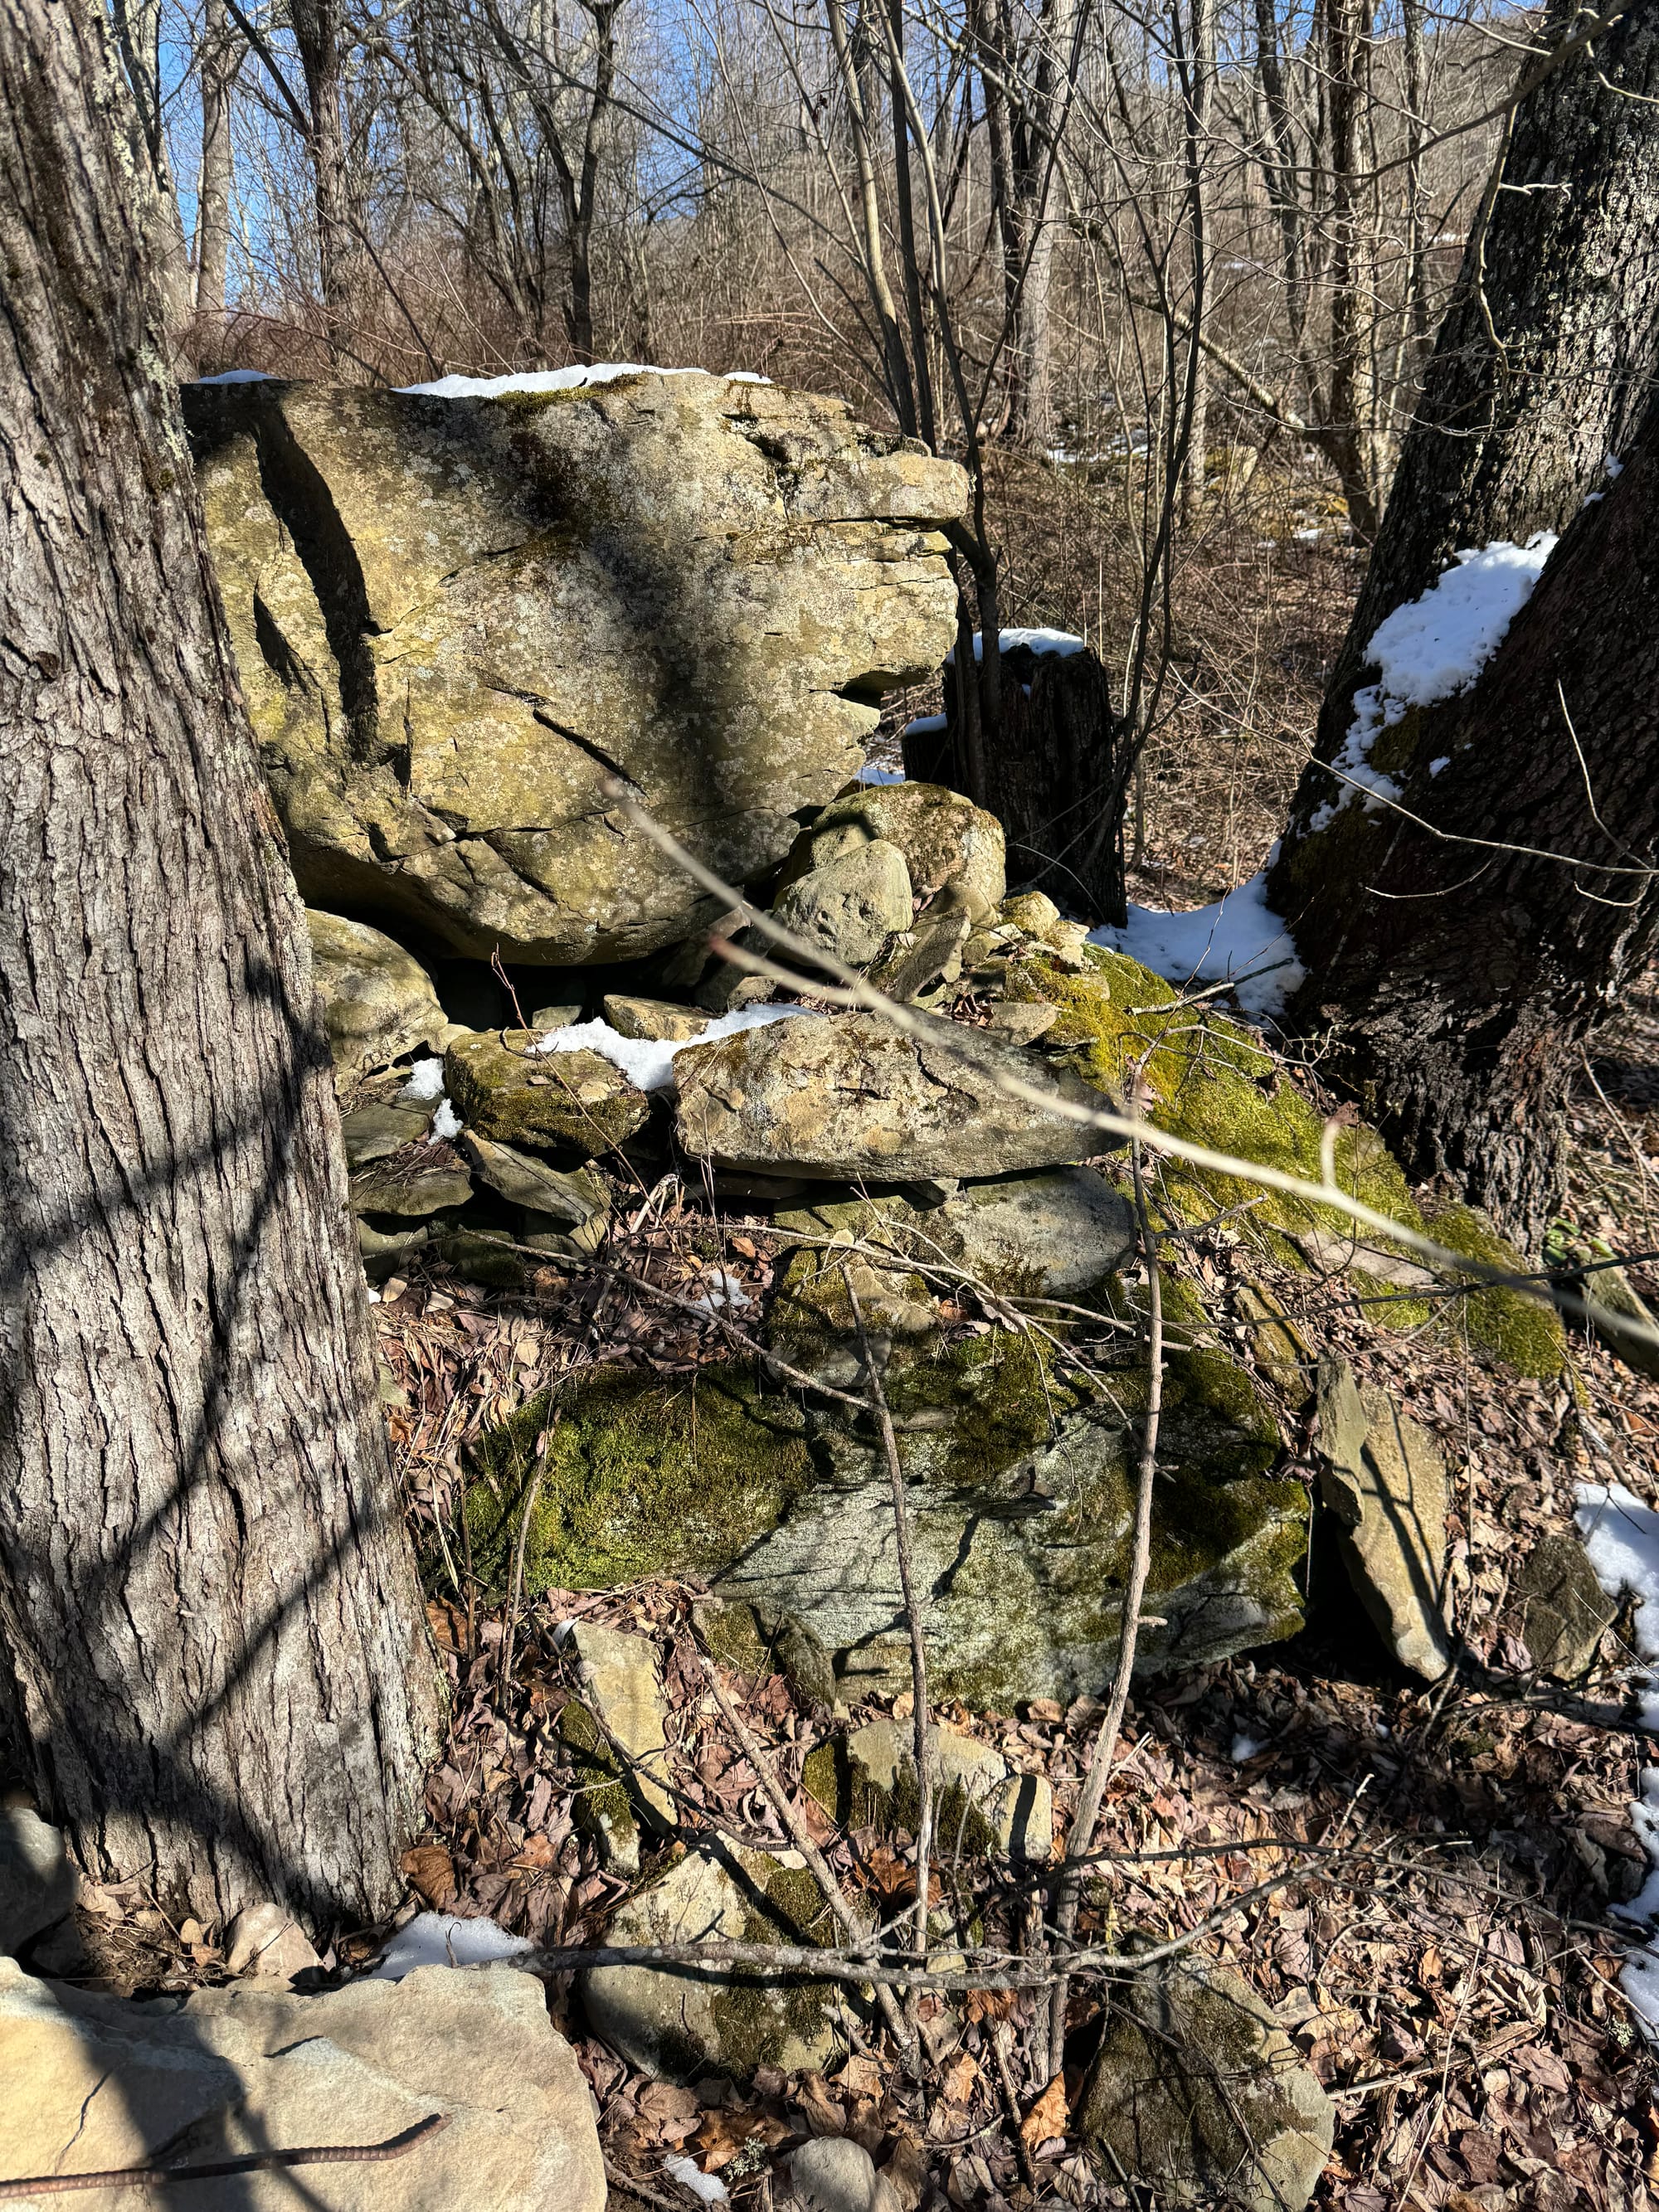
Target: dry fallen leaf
x,y
1047,2116
906,2172
956,2086
862,2077
431,1873
672,2111
723,2135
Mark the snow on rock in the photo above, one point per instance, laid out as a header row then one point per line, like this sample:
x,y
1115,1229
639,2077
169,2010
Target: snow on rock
x,y
1429,649
1238,940
691,2175
446,1124
426,1082
648,1062
556,379
444,1939
238,376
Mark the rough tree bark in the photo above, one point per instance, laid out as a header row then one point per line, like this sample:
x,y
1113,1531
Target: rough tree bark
x,y
1461,966
319,38
222,58
213,1661
1543,362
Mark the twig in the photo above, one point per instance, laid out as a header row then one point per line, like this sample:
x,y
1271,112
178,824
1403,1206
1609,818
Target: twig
x,y
912,1616
1093,1793
800,1835
999,2042
264,2161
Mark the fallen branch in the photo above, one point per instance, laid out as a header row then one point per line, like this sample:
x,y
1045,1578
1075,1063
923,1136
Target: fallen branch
x,y
163,2175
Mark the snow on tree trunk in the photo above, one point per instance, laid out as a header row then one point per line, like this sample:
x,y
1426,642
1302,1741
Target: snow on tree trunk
x,y
213,1661
1470,904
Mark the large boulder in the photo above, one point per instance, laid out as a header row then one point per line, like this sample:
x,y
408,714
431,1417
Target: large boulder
x,y
94,2082
847,1098
378,1000
459,620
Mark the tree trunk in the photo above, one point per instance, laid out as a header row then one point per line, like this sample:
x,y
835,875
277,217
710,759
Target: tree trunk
x,y
317,35
1456,971
221,54
1518,411
213,1661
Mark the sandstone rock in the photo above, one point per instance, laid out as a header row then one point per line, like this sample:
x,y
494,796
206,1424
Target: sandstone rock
x,y
847,1098
1198,2093
93,2082
1562,1609
378,1000
570,1200
674,2025
383,1249
1383,1479
555,1018
264,1939
851,905
944,837
38,1880
458,620
1022,1024
373,1132
412,1192
978,1805
619,1677
927,953
574,1102
658,1019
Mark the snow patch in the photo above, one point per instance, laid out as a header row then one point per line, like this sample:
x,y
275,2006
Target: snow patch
x,y
648,1062
426,1082
1621,1542
238,376
1431,648
870,774
560,379
691,2175
722,1293
1244,1747
1062,644
446,1124
1238,940
444,1939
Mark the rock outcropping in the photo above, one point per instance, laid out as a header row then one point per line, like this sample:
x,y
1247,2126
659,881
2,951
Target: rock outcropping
x,y
458,621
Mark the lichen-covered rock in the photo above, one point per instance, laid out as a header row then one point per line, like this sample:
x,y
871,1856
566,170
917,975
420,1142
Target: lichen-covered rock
x,y
574,1201
1199,2093
944,839
378,1000
674,2025
851,905
869,1779
572,1102
1561,1610
659,1019
618,1674
758,1639
375,1131
846,1098
458,621
409,1189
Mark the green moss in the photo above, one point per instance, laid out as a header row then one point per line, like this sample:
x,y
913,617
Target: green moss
x,y
852,1799
1000,1396
1214,1085
637,1477
757,2022
1526,1333
575,1104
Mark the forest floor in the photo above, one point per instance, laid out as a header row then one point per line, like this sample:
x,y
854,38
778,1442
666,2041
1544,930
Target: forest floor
x,y
1446,1963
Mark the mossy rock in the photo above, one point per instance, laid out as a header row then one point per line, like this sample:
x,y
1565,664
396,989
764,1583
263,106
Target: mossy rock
x,y
637,1477
1528,1336
601,1806
677,2024
868,1780
573,1103
759,1640
1211,1084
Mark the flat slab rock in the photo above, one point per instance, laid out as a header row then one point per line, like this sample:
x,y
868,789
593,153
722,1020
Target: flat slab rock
x,y
575,1103
846,1098
504,605
94,2082
1384,1482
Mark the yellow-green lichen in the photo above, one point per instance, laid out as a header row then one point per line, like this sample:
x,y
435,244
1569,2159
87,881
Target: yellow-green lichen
x,y
633,1476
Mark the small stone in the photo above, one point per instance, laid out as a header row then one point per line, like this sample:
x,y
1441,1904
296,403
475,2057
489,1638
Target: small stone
x,y
851,905
675,2027
1022,1021
555,1018
932,953
759,1639
1384,1482
832,2174
371,1132
944,839
1198,2093
1033,913
619,1677
574,1102
656,1020
38,1880
1563,1609
381,1248
262,1939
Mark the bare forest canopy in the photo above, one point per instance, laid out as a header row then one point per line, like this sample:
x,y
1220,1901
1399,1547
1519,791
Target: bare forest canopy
x,y
1131,232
